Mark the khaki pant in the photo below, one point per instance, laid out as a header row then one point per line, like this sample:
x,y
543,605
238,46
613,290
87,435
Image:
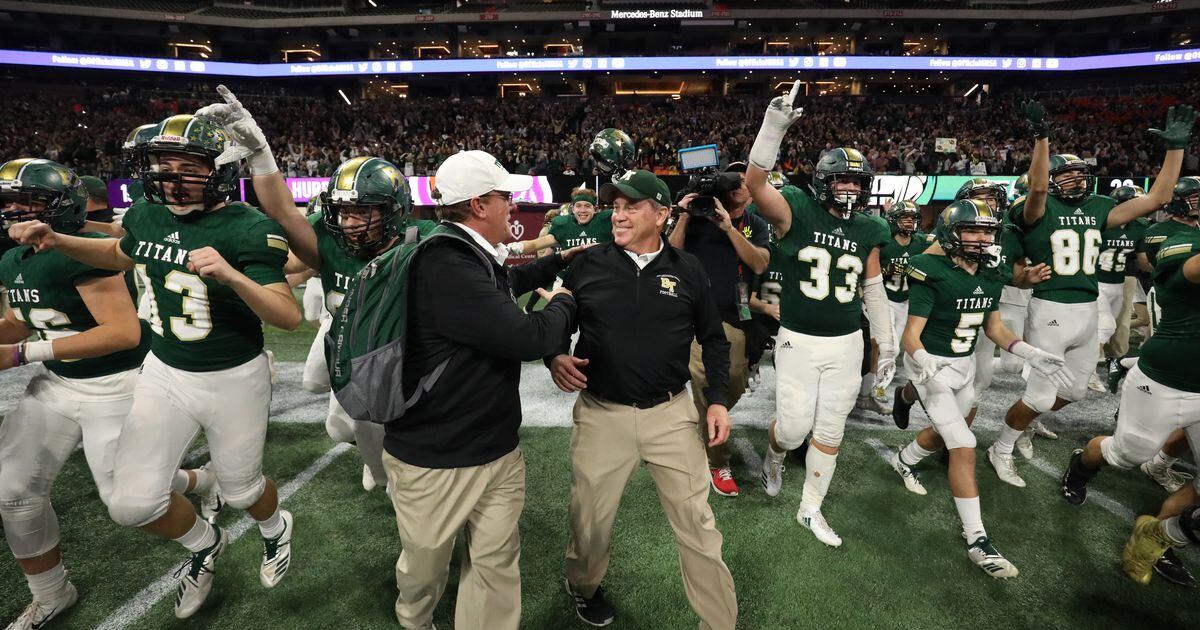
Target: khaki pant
x,y
432,506
607,443
1118,344
719,455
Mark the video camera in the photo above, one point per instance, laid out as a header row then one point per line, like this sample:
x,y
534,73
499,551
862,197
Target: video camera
x,y
706,182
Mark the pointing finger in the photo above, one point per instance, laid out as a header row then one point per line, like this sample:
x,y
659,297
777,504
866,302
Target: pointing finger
x,y
795,90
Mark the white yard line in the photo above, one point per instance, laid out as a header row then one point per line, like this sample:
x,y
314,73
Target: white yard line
x,y
140,604
1110,505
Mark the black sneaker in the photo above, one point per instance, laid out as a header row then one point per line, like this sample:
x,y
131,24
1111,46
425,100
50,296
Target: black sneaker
x,y
1116,372
1074,480
595,611
900,409
1171,568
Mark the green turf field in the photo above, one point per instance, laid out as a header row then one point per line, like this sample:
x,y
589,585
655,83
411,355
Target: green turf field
x,y
902,566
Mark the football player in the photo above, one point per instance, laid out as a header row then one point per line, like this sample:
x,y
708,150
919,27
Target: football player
x,y
215,268
1161,394
89,348
1014,302
827,252
872,391
1061,222
582,226
1119,241
903,218
955,293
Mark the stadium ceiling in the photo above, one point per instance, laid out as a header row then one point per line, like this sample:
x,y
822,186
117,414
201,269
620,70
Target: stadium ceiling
x,y
326,13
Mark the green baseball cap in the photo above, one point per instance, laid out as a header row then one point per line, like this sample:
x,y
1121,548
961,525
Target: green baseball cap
x,y
637,185
96,188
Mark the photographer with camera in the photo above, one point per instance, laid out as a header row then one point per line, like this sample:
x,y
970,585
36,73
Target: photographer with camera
x,y
731,244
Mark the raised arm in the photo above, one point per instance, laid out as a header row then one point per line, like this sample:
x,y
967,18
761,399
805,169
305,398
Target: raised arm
x,y
1039,165
765,152
1175,134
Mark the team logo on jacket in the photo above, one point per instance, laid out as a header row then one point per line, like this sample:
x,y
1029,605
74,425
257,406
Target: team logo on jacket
x,y
667,285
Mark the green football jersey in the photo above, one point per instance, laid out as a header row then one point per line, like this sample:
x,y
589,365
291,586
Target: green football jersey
x,y
1154,236
199,324
1068,239
567,231
42,293
954,303
1119,243
1169,356
1011,251
823,258
338,265
893,258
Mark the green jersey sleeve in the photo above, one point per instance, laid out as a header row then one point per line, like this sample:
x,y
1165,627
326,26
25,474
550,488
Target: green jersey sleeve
x,y
921,293
263,252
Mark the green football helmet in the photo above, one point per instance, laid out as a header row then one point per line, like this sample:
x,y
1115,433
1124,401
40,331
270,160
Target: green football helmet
x,y
134,142
1082,184
188,135
838,164
965,214
901,210
313,205
1125,193
1185,198
613,151
31,182
1021,186
778,180
371,184
980,188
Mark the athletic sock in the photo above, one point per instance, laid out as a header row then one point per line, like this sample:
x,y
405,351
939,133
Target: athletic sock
x,y
1174,531
1007,440
204,480
867,386
971,517
49,584
913,454
818,473
908,394
272,526
774,454
180,482
200,537
1129,362
1163,461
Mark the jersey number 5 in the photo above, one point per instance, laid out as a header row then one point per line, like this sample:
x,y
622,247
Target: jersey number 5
x,y
818,287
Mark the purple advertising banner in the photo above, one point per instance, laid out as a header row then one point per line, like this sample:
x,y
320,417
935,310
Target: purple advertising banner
x,y
601,64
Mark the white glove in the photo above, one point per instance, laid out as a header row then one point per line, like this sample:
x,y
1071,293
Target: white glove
x,y
249,141
1051,366
776,121
885,369
516,248
927,365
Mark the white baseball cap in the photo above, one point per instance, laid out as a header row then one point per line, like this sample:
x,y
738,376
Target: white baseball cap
x,y
469,174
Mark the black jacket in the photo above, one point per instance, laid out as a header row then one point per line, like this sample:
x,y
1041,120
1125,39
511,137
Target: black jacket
x,y
637,326
471,415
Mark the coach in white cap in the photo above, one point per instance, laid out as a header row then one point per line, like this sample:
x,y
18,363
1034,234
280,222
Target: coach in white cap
x,y
453,460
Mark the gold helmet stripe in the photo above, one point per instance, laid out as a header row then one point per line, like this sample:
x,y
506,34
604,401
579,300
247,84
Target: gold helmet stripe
x,y
347,174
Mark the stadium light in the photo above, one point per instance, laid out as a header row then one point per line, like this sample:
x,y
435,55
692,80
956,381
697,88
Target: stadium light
x,y
343,95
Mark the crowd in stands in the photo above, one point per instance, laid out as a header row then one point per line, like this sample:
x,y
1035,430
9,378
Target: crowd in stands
x,y
550,136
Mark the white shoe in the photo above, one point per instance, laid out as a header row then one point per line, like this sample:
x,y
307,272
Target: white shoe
x,y
772,474
872,404
816,523
1096,384
907,475
38,614
1170,479
368,479
1005,468
1042,431
985,556
211,502
197,578
277,554
1025,443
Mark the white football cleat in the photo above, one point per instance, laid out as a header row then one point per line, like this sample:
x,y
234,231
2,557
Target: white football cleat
x,y
368,478
872,404
772,474
197,578
1170,479
211,502
983,553
1040,430
816,523
1025,443
1005,468
1097,384
277,554
911,482
37,614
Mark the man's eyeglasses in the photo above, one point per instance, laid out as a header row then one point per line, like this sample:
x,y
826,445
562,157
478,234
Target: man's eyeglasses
x,y
507,196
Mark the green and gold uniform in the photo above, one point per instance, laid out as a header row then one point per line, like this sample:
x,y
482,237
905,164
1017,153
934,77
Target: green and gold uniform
x,y
954,302
569,233
1155,235
338,266
1068,238
1118,243
199,324
1169,357
893,259
42,291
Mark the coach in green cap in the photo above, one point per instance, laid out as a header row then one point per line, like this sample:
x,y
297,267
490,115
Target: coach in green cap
x,y
640,303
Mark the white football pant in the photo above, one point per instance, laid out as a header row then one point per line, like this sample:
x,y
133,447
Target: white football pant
x,y
947,399
817,382
1150,412
1068,331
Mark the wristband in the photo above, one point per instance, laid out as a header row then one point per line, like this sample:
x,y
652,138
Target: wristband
x,y
1011,344
37,351
18,357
